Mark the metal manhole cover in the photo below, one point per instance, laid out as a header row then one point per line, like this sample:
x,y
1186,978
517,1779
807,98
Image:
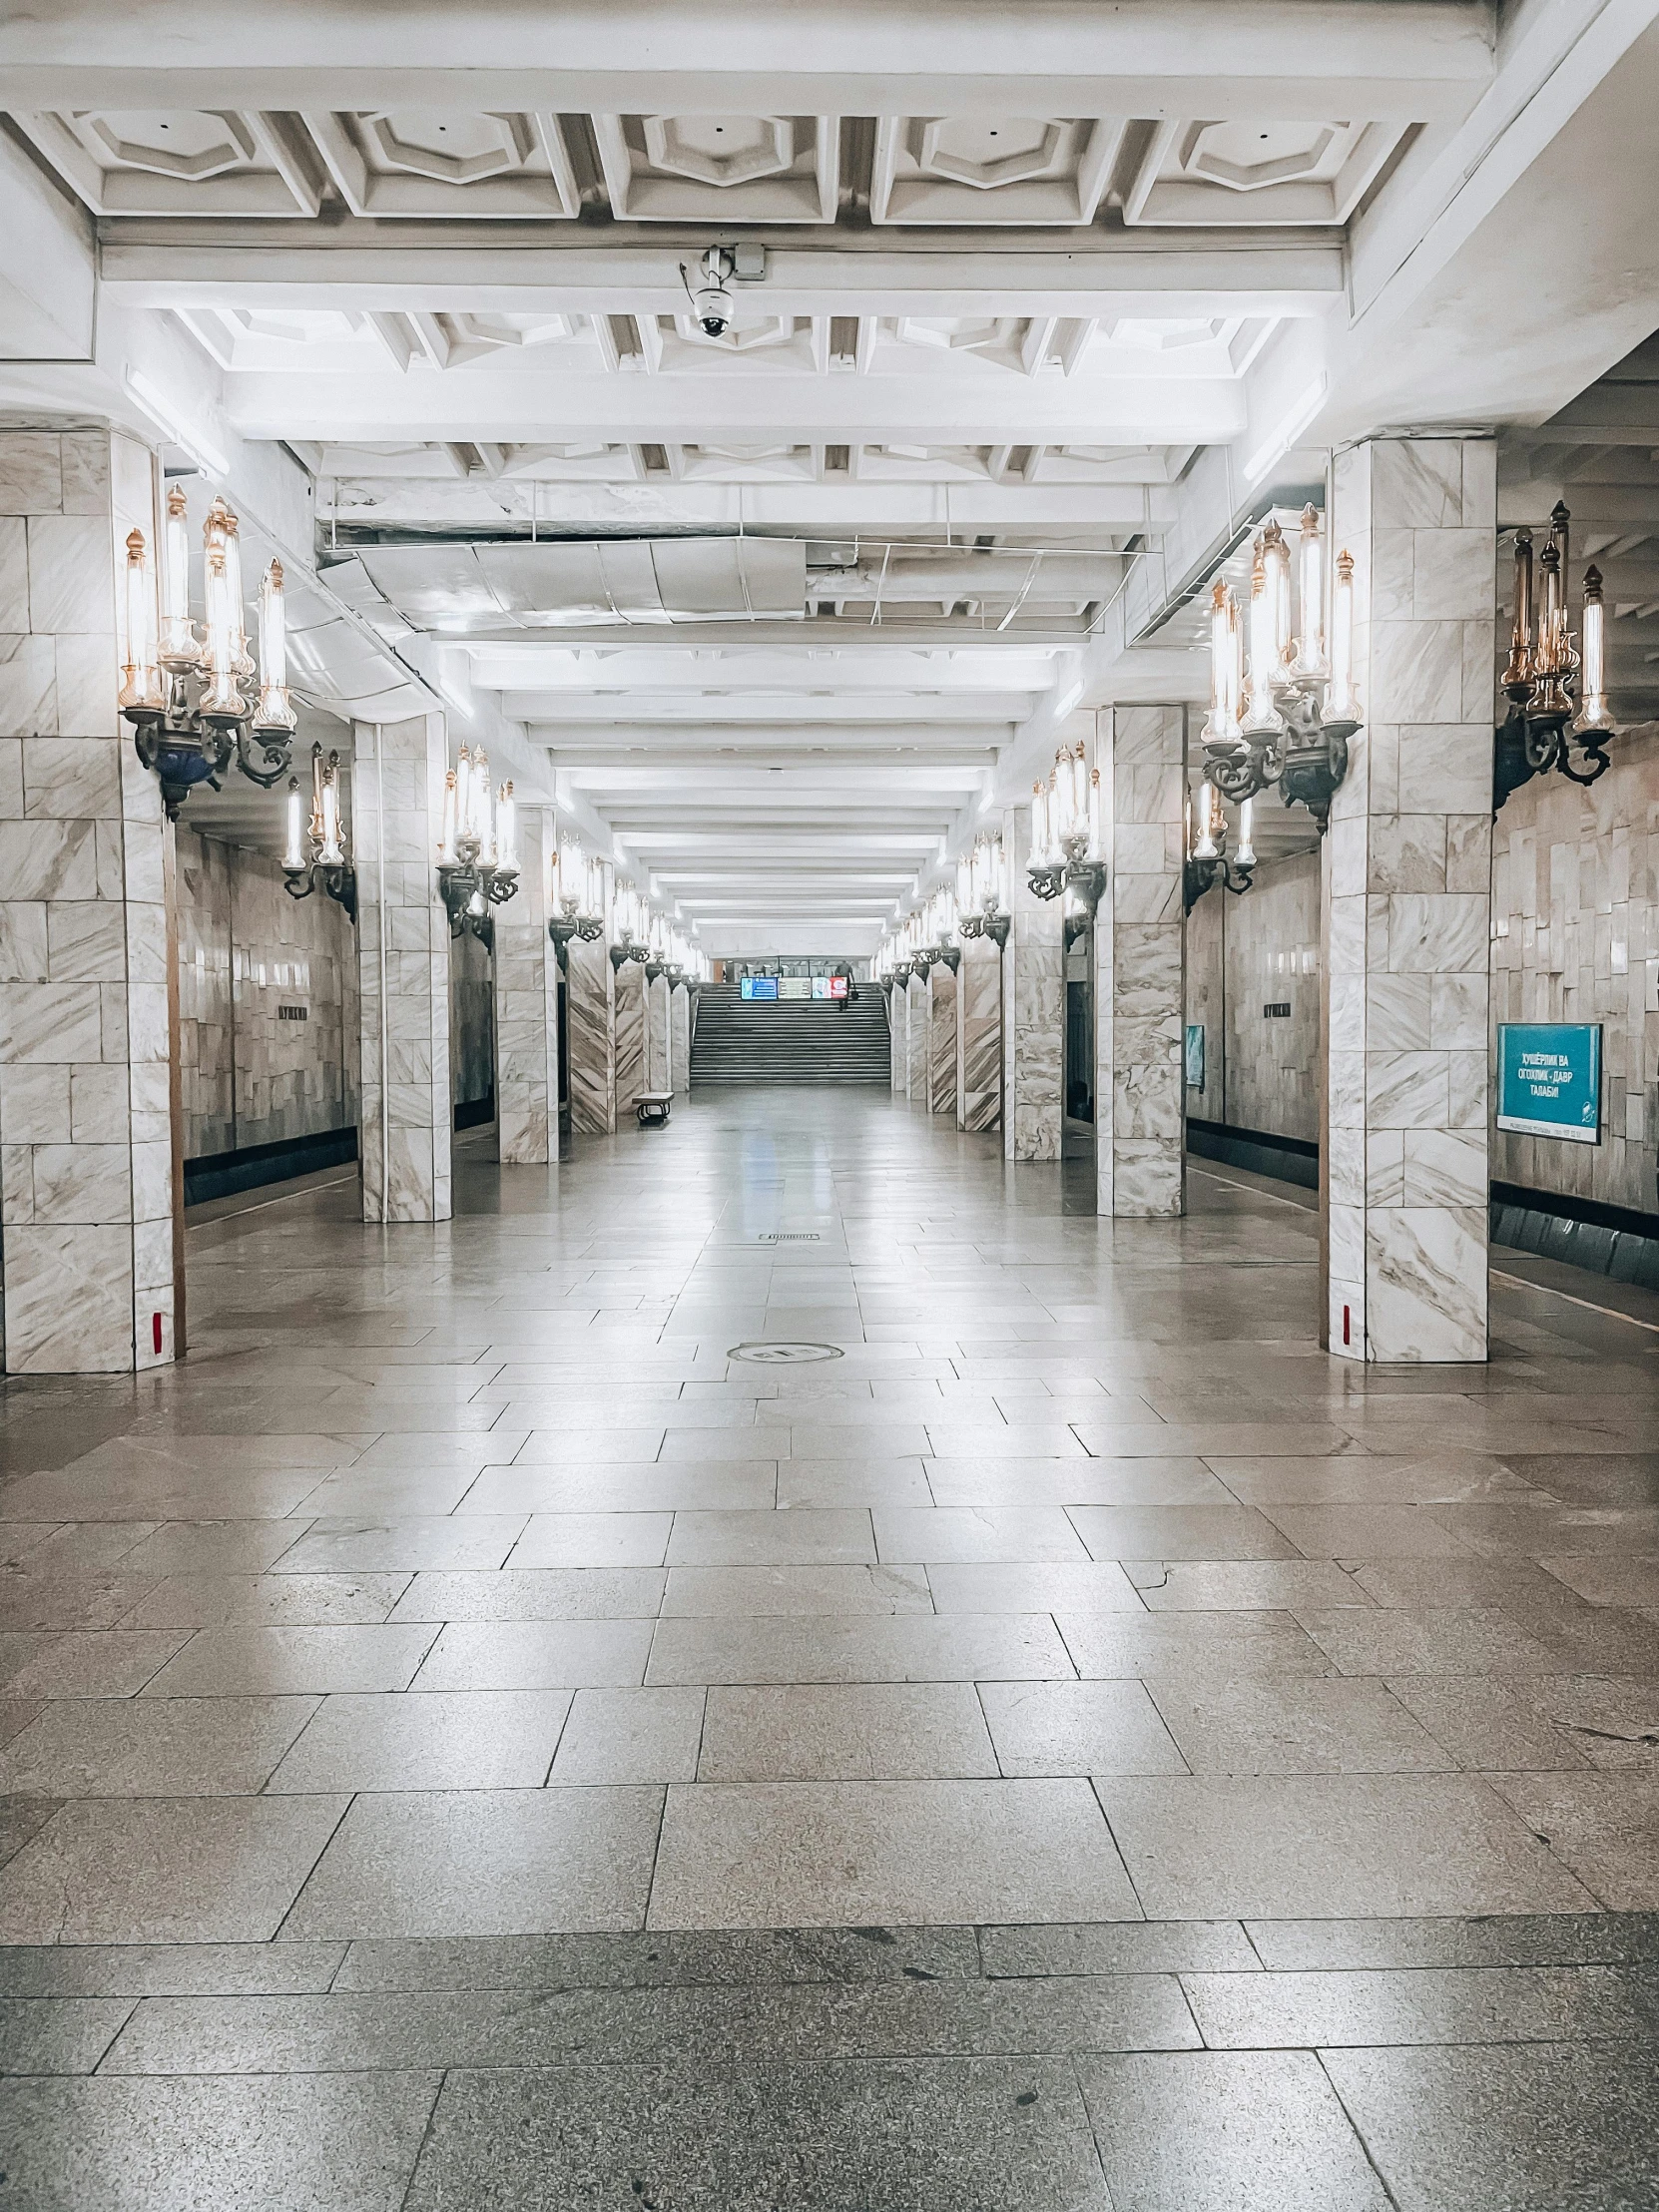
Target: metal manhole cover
x,y
783,1354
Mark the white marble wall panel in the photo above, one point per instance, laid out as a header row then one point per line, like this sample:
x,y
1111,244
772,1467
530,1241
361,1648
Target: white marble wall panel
x,y
1408,908
1033,998
899,1036
659,1037
943,1043
87,1012
1243,954
916,1068
629,1037
1140,972
249,1073
980,1036
1575,887
406,1115
679,1037
527,1006
590,1006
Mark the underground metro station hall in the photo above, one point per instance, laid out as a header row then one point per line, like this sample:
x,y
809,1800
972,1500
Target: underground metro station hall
x,y
829,1106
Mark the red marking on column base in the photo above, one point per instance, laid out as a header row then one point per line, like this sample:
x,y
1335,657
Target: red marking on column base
x,y
156,1330
1347,1327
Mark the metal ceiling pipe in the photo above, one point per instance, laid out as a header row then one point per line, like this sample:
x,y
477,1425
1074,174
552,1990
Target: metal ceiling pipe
x,y
1049,575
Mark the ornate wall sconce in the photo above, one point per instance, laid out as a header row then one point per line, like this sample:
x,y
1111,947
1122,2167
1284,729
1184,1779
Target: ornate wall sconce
x,y
1066,851
1208,861
982,893
315,858
576,895
478,857
1546,721
187,739
631,928
1285,714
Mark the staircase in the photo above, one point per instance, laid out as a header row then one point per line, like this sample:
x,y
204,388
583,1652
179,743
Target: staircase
x,y
789,1040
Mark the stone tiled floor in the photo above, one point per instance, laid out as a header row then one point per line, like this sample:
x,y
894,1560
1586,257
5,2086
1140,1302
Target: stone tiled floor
x,y
468,1741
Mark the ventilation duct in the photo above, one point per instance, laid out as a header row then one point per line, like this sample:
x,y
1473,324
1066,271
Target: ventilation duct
x,y
625,581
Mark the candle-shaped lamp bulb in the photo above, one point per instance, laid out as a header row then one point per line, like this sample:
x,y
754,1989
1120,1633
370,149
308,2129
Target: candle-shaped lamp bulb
x,y
1343,705
447,854
334,849
141,686
1204,845
179,645
506,831
1246,830
274,711
294,850
1592,711
1310,659
1263,659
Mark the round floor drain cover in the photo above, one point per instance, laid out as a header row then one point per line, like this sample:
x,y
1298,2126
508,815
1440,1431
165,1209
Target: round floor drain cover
x,y
783,1354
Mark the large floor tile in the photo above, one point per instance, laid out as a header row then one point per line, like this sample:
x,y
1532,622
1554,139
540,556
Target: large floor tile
x,y
1049,1728
630,1736
164,1870
1045,1586
997,1532
534,1594
829,1586
152,1747
537,1655
804,1536
325,2143
592,1540
860,1732
1533,2129
484,1863
1296,1726
223,1662
769,1855
1605,1827
1222,1847
942,2135
903,1647
1180,1532
1215,2132
472,1740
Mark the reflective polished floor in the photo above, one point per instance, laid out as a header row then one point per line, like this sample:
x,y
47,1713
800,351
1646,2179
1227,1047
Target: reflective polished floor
x,y
473,1739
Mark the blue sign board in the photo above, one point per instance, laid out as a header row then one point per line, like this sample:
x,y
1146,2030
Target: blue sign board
x,y
759,986
1194,1055
1549,1079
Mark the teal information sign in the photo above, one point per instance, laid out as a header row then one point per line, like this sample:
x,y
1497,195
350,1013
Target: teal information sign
x,y
1194,1055
1549,1079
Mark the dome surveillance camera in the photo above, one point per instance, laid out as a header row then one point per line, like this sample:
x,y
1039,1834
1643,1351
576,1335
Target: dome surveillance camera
x,y
711,301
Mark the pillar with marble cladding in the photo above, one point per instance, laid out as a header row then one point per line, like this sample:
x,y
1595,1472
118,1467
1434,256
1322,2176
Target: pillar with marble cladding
x,y
915,1041
590,1020
979,1035
899,1034
527,1005
91,1268
680,1038
659,1035
406,1114
1140,966
1408,908
629,1037
943,1003
1034,999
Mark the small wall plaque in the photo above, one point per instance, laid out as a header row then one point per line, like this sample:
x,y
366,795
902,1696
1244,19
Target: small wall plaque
x,y
293,1013
1279,1010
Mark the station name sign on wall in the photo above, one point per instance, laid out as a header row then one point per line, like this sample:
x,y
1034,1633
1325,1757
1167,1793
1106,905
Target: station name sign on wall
x,y
1549,1079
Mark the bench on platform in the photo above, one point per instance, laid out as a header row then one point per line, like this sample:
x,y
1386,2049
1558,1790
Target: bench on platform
x,y
653,1106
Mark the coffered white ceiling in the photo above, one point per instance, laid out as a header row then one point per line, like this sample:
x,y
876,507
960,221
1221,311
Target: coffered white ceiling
x,y
787,603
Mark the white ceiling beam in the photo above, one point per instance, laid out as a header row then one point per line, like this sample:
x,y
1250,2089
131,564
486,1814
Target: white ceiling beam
x,y
933,512
425,269
1414,60
781,708
507,403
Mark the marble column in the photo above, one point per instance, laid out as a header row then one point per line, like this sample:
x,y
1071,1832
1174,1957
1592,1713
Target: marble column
x,y
980,1036
659,1041
943,1003
915,1041
680,1038
527,1005
629,1037
91,1268
1408,908
590,1013
1034,999
406,1115
898,1035
1140,975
